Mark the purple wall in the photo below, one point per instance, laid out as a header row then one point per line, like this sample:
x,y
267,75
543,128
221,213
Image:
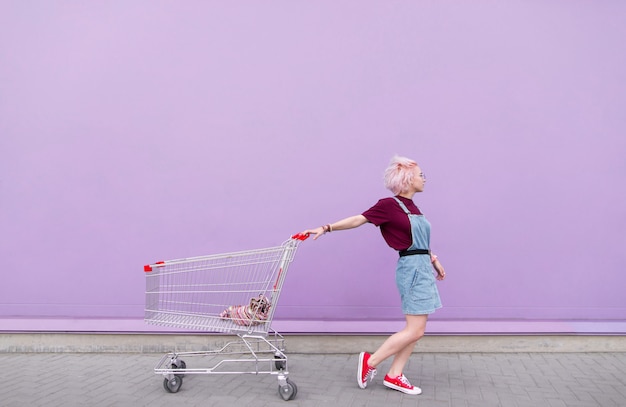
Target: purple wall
x,y
138,131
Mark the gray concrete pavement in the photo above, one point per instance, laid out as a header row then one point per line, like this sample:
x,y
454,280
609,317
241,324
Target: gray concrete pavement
x,y
447,379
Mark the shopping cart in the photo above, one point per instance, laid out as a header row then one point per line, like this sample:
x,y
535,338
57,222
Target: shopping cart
x,y
234,293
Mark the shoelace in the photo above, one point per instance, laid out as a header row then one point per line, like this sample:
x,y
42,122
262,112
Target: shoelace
x,y
404,380
371,372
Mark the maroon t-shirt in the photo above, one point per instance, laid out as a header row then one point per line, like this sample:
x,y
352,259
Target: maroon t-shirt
x,y
393,221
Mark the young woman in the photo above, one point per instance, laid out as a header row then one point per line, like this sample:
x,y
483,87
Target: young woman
x,y
406,230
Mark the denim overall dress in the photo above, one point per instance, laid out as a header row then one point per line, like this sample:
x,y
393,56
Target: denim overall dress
x,y
414,273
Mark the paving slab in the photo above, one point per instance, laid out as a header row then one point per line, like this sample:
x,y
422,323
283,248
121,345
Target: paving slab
x,y
447,379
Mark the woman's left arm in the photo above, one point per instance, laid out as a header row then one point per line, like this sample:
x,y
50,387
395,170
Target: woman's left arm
x,y
344,224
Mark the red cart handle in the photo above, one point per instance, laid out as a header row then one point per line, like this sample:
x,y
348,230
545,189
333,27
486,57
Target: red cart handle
x,y
148,267
300,236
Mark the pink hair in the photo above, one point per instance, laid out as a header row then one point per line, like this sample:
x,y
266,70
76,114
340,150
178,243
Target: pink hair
x,y
399,174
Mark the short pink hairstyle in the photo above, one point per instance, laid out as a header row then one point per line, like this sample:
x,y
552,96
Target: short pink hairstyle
x,y
399,174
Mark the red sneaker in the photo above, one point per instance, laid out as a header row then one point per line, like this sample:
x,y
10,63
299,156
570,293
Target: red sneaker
x,y
401,383
366,372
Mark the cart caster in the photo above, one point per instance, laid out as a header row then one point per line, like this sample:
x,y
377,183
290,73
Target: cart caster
x,y
173,385
179,364
281,363
288,391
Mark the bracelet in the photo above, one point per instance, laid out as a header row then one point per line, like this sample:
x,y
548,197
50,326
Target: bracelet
x,y
327,228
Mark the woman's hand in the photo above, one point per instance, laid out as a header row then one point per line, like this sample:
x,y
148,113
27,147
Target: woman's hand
x,y
317,232
441,273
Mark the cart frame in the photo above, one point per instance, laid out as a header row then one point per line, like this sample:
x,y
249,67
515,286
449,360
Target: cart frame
x,y
188,293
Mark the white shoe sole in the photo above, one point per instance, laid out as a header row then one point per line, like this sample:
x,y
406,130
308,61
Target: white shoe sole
x,y
359,372
414,392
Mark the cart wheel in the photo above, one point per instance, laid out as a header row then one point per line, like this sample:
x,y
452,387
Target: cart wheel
x,y
172,385
281,363
288,391
181,365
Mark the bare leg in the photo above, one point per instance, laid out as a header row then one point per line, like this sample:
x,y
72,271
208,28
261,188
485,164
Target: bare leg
x,y
400,344
400,359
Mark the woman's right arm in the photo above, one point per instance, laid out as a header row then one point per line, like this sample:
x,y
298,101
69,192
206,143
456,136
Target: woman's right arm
x,y
343,224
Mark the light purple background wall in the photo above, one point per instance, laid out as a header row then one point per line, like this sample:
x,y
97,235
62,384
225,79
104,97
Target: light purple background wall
x,y
136,131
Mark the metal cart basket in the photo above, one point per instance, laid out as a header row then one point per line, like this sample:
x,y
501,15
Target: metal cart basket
x,y
233,293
